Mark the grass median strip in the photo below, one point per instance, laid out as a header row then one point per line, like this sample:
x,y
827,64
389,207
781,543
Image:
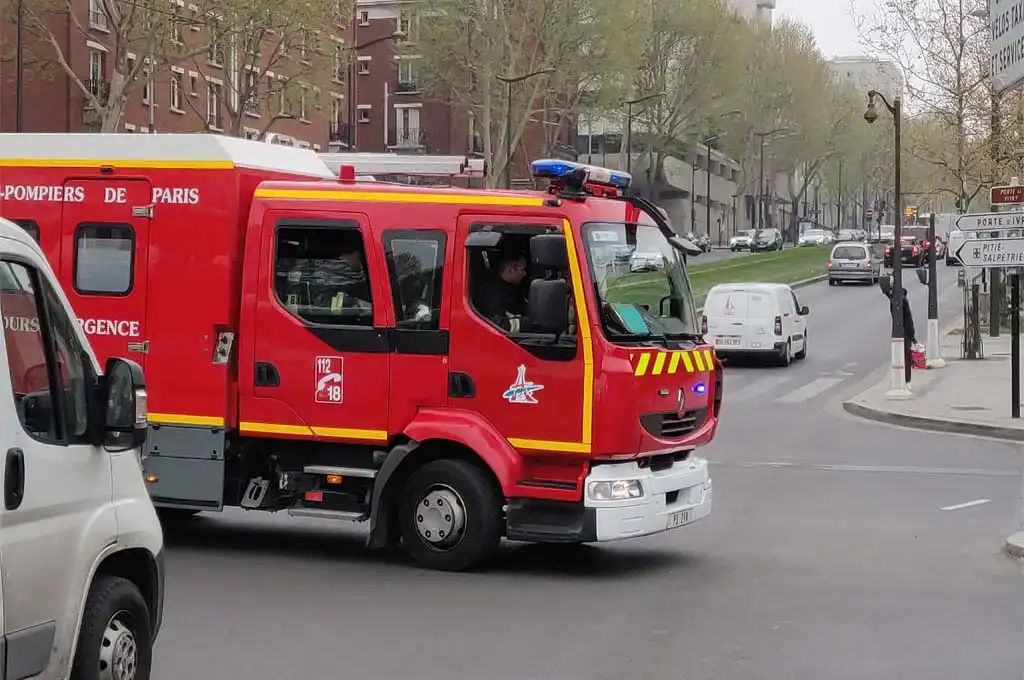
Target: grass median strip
x,y
788,266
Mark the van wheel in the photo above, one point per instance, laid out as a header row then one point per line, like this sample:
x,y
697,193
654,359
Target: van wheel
x,y
802,354
450,516
115,641
787,354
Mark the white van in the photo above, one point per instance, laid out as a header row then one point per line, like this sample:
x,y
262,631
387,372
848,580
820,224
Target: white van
x,y
81,549
755,319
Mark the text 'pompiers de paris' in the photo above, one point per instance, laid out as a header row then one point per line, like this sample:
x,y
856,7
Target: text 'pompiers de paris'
x,y
74,193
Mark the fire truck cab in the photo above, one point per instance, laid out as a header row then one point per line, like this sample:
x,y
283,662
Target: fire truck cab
x,y
451,366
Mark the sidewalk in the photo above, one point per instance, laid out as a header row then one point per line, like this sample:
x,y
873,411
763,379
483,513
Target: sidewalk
x,y
965,397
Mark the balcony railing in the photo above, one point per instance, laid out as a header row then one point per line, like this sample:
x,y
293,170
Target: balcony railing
x,y
406,138
99,89
340,132
408,86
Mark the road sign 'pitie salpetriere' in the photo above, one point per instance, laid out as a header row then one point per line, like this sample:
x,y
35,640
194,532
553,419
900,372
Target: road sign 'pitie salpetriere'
x,y
992,252
990,221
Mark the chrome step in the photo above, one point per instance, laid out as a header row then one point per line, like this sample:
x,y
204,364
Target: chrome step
x,y
366,473
326,514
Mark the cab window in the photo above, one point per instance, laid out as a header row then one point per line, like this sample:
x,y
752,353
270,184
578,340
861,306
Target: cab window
x,y
499,278
49,369
104,258
320,274
31,228
416,270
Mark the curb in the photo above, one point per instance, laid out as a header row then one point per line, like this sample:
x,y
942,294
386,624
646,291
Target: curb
x,y
1014,546
934,424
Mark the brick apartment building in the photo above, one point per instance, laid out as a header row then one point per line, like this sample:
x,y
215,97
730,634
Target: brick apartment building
x,y
366,96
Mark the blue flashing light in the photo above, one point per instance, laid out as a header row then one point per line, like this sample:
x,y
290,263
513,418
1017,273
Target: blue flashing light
x,y
700,388
557,169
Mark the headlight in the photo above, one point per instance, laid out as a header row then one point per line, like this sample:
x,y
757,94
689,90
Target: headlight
x,y
619,490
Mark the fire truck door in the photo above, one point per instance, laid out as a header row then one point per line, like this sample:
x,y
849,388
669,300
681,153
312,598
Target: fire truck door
x,y
533,388
104,262
320,358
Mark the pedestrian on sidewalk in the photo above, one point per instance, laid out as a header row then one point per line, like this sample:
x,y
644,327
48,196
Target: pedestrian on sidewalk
x,y
909,334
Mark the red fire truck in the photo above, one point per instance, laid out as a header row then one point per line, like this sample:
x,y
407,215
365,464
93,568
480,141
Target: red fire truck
x,y
323,346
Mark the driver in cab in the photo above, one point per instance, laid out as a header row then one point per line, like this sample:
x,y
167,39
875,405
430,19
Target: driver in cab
x,y
504,298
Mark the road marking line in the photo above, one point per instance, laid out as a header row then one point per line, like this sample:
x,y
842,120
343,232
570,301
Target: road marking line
x,y
969,504
756,388
809,391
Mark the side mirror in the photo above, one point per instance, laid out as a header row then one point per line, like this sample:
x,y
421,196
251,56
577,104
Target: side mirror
x,y
548,251
548,306
37,411
804,311
126,411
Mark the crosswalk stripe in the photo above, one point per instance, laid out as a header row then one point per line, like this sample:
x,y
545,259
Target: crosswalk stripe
x,y
809,391
755,389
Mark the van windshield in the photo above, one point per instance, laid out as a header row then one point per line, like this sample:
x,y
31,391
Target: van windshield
x,y
640,282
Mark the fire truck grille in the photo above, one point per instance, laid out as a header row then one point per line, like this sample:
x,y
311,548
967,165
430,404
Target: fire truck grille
x,y
673,425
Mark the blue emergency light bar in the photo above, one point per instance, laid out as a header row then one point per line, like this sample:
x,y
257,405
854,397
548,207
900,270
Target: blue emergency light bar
x,y
557,169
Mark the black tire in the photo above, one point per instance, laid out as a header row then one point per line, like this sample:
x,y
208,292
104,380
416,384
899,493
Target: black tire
x,y
802,354
832,282
480,501
787,355
113,599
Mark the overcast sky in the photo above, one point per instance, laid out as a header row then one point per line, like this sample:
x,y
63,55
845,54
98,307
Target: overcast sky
x,y
830,20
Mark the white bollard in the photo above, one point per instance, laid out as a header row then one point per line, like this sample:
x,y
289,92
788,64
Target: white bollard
x,y
897,385
934,349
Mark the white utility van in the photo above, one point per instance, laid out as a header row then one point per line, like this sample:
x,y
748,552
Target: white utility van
x,y
755,320
81,549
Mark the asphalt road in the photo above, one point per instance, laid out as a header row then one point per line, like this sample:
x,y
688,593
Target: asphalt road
x,y
829,556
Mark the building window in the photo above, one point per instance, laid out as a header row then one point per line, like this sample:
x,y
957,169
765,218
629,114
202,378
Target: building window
x,y
302,104
407,24
320,275
193,84
304,47
252,134
215,53
176,25
97,15
147,85
407,127
364,18
176,86
364,67
213,101
97,72
104,258
338,74
416,270
364,115
251,93
407,75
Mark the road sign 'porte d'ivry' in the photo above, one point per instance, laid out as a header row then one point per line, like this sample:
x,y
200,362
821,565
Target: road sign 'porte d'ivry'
x,y
1008,195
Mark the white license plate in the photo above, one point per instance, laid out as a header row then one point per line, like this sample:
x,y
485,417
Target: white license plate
x,y
678,519
849,264
727,342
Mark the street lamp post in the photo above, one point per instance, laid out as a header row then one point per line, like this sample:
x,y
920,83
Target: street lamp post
x,y
629,124
898,349
762,198
509,82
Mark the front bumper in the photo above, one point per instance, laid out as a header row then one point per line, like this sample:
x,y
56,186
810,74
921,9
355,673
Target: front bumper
x,y
672,499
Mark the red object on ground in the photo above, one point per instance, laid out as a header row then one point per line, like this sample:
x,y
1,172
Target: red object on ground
x,y
918,359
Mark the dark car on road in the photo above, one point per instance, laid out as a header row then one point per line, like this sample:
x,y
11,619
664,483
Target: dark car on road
x,y
766,239
911,252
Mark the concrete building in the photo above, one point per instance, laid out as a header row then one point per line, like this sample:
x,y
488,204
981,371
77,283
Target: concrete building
x,y
868,73
760,10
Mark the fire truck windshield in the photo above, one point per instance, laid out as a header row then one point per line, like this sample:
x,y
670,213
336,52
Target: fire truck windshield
x,y
640,282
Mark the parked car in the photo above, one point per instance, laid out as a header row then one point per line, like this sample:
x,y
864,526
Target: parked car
x,y
848,235
766,239
81,548
911,252
741,241
852,262
755,320
814,237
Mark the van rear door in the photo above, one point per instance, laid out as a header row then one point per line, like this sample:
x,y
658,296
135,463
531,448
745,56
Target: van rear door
x,y
726,312
104,261
761,310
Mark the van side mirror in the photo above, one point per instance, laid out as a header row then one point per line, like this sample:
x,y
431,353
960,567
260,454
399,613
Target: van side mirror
x,y
37,411
804,311
126,410
548,306
548,251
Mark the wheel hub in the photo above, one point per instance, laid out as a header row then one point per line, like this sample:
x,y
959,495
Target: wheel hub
x,y
441,517
119,653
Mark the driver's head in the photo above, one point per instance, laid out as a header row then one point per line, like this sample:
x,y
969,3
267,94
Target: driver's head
x,y
512,268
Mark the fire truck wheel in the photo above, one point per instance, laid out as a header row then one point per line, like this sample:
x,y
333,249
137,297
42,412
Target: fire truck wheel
x,y
450,516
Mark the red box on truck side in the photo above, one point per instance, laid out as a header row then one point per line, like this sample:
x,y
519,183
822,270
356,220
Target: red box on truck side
x,y
319,347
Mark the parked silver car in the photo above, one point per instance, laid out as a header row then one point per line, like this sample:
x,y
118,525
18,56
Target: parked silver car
x,y
852,262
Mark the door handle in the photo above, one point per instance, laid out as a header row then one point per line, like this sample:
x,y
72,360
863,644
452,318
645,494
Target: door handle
x,y
14,479
267,375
